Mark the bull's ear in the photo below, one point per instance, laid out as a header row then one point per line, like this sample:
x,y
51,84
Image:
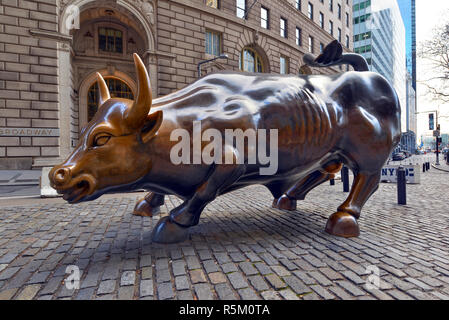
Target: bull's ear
x,y
103,90
152,125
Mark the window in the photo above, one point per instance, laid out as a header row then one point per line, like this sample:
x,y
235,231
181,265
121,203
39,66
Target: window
x,y
311,44
213,43
298,36
310,11
339,35
284,65
264,16
347,19
117,89
347,41
241,8
331,28
110,40
321,47
298,5
212,3
331,5
339,11
283,27
321,20
251,61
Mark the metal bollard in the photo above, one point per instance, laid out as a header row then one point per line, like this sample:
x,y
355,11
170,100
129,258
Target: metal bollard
x,y
424,167
428,166
402,193
332,181
345,178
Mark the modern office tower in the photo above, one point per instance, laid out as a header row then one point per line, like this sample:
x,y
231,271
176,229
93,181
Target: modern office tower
x,y
379,35
407,8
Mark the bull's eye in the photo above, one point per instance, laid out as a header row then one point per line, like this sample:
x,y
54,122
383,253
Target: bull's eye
x,y
101,139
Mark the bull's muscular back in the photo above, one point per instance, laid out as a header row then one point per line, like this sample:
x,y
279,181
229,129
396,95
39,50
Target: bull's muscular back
x,y
311,112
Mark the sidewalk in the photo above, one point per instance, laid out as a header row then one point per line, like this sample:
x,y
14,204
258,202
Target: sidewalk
x,y
443,166
16,183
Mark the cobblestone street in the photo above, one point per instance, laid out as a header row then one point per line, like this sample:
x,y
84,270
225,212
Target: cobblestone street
x,y
242,248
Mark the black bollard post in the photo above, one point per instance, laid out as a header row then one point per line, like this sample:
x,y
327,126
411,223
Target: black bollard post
x,y
402,194
332,181
428,166
424,167
345,178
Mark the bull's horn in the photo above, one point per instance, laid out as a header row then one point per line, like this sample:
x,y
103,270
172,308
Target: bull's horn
x,y
104,91
137,114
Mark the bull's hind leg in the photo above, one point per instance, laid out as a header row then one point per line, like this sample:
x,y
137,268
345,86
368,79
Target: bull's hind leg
x,y
343,223
305,185
149,205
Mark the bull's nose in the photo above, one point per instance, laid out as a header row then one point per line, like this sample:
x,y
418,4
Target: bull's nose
x,y
61,175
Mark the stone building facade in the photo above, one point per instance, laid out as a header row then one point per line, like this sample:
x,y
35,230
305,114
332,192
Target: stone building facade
x,y
50,51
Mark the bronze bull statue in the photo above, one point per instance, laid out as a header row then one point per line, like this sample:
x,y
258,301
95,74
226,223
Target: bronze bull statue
x,y
322,121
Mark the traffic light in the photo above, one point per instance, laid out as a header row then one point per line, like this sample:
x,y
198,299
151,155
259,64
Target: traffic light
x,y
431,122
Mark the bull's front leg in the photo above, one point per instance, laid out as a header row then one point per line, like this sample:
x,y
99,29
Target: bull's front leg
x,y
174,228
343,223
149,205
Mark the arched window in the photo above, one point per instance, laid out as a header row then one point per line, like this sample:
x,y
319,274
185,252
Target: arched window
x,y
250,61
117,89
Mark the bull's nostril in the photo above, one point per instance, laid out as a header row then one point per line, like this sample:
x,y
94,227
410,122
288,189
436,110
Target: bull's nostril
x,y
62,175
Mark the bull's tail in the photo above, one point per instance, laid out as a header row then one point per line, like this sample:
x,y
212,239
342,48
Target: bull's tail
x,y
333,55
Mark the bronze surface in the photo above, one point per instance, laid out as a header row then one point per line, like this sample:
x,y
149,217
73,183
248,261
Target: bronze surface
x,y
352,118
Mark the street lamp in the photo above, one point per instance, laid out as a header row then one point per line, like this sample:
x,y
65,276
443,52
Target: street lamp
x,y
223,56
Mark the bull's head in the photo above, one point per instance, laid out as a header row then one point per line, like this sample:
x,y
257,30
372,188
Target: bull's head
x,y
113,148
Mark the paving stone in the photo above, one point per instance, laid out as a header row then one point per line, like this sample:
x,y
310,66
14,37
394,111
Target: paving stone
x,y
296,285
224,292
248,294
288,294
178,267
270,295
203,291
258,283
184,295
107,286
237,280
8,294
182,283
217,277
275,281
248,268
128,278
165,291
85,294
229,267
8,273
197,276
146,288
351,288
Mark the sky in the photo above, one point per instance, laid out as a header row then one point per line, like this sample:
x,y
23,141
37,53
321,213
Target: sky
x,y
429,14
406,13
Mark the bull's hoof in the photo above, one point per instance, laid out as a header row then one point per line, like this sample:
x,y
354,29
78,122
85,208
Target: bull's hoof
x,y
167,231
285,203
144,209
342,224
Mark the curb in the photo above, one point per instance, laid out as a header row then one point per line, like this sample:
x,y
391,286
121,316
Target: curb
x,y
436,167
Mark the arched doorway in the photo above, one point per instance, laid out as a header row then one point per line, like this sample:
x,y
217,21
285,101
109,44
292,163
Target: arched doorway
x,y
117,89
109,32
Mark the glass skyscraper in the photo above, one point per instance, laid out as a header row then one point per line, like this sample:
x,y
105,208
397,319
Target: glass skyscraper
x,y
379,35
